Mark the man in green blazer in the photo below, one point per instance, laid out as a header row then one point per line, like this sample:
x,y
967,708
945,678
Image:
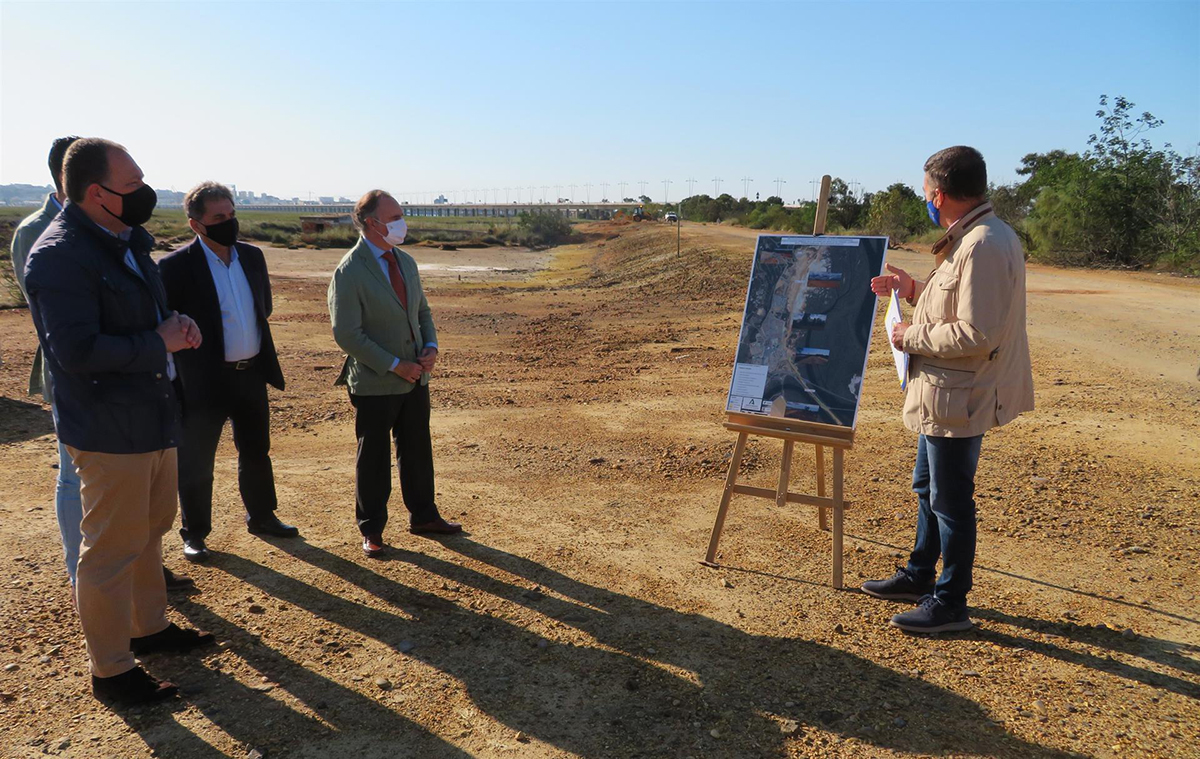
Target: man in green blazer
x,y
382,320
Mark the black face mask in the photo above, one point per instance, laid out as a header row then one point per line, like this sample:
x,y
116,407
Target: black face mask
x,y
136,206
223,233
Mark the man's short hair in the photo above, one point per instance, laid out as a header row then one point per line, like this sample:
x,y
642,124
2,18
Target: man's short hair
x,y
958,172
58,151
86,163
196,201
365,207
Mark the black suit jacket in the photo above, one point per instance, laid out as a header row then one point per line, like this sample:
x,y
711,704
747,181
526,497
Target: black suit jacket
x,y
190,290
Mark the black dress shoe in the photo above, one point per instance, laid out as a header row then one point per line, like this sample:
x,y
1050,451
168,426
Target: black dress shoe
x,y
437,526
195,551
177,582
131,688
174,639
271,526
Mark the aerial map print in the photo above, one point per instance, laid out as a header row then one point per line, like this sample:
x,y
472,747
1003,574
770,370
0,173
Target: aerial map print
x,y
809,312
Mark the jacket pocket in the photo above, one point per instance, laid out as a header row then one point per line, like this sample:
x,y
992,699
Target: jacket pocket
x,y
945,394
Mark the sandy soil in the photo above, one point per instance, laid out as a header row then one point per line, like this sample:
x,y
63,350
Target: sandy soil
x,y
577,435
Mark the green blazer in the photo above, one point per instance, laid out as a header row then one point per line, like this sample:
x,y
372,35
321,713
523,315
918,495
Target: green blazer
x,y
372,327
22,242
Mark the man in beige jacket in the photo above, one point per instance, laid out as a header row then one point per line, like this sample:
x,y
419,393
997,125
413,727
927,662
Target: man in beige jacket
x,y
969,371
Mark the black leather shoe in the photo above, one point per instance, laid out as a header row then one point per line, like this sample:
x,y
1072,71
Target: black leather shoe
x,y
174,639
195,551
132,688
271,526
177,582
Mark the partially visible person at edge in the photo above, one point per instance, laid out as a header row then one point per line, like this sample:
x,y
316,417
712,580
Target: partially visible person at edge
x,y
969,372
222,283
67,507
381,319
101,315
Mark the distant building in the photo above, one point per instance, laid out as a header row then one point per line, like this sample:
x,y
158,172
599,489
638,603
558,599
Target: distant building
x,y
440,199
319,223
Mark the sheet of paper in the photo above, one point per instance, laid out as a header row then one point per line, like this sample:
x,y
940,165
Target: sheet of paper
x,y
749,382
893,318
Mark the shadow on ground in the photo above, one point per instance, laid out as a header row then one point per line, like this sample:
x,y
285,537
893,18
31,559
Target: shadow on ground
x,y
654,688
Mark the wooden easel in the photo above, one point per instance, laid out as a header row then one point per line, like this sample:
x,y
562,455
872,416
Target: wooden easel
x,y
791,431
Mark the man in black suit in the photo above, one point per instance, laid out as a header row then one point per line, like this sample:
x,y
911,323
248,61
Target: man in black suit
x,y
224,283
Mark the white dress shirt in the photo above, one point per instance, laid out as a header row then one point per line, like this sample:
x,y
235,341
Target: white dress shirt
x,y
239,323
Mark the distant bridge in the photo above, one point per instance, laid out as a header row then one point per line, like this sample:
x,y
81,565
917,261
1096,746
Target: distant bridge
x,y
499,210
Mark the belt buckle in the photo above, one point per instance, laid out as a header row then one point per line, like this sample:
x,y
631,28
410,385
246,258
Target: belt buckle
x,y
240,365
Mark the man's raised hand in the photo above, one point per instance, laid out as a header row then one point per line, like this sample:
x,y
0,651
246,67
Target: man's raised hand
x,y
898,280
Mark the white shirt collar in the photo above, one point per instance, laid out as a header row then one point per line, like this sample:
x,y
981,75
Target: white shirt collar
x,y
233,256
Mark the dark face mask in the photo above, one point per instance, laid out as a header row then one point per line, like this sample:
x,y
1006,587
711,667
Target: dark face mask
x,y
223,233
136,206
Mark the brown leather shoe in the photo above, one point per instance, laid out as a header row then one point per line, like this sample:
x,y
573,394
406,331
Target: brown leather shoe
x,y
373,546
132,688
438,526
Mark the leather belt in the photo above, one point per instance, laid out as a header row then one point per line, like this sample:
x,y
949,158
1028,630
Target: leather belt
x,y
242,365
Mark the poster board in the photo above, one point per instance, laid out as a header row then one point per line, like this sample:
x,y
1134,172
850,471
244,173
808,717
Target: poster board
x,y
806,327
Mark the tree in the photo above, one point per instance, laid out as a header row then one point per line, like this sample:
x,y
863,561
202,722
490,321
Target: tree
x,y
898,212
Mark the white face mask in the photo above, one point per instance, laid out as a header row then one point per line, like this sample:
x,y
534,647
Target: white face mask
x,y
396,231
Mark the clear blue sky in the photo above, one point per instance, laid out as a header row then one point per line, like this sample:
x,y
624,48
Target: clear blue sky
x,y
336,98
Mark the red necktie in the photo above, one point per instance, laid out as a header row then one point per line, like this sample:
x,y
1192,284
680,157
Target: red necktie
x,y
397,278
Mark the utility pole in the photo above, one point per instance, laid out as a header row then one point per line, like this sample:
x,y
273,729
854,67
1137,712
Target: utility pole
x,y
746,186
779,183
572,198
642,186
690,182
666,187
622,186
545,191
812,183
507,195
587,190
717,186
604,191
557,192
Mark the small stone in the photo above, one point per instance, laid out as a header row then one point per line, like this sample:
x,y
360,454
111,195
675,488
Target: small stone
x,y
543,643
522,737
839,629
262,687
789,726
900,722
789,704
1039,706
63,744
970,673
255,753
725,583
256,609
715,733
1024,713
383,683
597,460
1128,634
44,660
11,667
54,651
405,646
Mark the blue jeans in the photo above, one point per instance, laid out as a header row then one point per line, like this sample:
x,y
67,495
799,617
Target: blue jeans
x,y
68,506
944,481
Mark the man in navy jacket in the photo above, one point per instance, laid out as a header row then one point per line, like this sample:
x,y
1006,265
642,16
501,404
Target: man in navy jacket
x,y
101,315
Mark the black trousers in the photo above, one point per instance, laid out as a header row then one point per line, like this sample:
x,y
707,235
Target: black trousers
x,y
242,399
380,419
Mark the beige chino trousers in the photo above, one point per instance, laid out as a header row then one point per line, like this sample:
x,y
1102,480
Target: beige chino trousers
x,y
129,503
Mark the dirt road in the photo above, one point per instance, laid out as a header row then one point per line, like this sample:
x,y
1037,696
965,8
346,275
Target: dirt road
x,y
577,435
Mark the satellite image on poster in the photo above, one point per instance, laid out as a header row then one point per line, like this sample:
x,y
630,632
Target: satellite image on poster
x,y
809,311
